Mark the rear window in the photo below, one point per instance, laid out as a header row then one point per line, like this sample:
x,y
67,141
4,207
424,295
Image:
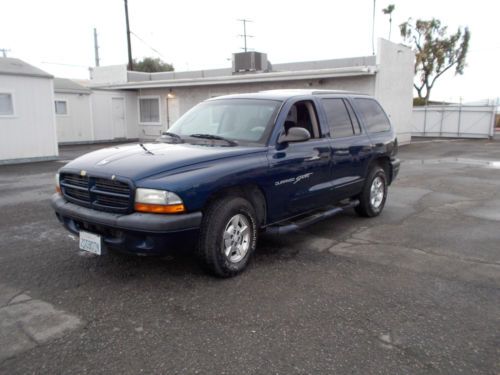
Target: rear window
x,y
338,118
373,116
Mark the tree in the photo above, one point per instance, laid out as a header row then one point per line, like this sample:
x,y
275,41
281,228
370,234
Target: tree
x,y
436,51
390,8
151,65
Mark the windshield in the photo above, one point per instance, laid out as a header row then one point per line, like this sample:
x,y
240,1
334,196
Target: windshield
x,y
242,120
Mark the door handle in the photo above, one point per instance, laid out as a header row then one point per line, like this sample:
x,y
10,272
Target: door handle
x,y
341,152
313,158
317,156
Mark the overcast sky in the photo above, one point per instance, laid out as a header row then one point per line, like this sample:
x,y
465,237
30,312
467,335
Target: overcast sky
x,y
203,34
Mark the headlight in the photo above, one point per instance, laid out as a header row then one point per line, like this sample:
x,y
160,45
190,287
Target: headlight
x,y
158,201
58,187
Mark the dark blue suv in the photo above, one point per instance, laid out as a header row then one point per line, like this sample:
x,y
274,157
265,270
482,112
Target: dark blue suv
x,y
232,167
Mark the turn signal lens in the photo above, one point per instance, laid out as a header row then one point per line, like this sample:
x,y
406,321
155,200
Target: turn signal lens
x,y
58,187
159,208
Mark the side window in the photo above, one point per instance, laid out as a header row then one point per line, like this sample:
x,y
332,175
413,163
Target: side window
x,y
303,115
338,118
373,116
354,119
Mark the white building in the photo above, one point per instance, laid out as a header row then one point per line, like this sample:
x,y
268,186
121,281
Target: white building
x,y
88,116
27,120
121,105
160,98
73,111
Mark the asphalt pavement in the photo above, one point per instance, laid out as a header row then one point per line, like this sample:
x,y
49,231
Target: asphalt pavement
x,y
413,291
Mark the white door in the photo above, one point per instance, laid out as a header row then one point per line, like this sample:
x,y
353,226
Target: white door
x,y
118,113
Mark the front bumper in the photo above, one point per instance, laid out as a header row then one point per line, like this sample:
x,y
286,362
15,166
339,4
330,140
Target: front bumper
x,y
137,233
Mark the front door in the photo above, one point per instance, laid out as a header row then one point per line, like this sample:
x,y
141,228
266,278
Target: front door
x,y
118,116
300,171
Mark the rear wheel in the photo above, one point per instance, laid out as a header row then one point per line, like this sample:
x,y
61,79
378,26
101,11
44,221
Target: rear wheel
x,y
228,236
372,198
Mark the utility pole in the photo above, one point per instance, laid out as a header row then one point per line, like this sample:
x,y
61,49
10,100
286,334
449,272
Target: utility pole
x,y
4,51
373,28
96,48
129,46
245,36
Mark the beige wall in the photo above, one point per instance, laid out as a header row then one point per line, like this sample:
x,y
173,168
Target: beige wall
x,y
102,115
187,97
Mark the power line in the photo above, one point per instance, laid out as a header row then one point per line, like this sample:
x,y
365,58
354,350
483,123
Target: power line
x,y
145,43
63,64
4,51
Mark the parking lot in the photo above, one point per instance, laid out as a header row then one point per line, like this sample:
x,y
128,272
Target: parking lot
x,y
416,290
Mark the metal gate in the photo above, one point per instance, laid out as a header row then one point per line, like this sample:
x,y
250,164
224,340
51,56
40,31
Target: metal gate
x,y
463,121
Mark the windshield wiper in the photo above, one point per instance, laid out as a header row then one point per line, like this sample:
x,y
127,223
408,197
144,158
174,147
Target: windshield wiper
x,y
216,137
174,136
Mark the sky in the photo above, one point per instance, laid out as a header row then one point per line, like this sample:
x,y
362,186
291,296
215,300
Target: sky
x,y
57,35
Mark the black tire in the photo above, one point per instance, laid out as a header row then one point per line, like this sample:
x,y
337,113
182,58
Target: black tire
x,y
367,207
213,245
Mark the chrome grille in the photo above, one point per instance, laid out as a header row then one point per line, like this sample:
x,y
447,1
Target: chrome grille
x,y
98,193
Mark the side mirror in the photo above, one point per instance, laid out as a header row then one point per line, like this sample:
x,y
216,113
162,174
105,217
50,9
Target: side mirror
x,y
295,134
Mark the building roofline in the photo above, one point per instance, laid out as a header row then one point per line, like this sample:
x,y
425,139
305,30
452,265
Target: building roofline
x,y
69,86
15,67
73,91
246,78
36,75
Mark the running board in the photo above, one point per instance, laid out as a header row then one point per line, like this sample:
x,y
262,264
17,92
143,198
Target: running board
x,y
308,220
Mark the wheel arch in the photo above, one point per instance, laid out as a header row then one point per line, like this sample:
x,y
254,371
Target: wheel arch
x,y
251,192
385,163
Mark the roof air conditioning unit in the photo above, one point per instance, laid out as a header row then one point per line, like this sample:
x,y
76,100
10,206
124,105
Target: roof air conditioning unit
x,y
244,62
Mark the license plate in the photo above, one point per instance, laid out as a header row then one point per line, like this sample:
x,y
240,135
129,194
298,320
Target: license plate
x,y
90,242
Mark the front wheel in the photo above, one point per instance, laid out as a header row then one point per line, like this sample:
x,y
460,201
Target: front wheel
x,y
228,236
372,198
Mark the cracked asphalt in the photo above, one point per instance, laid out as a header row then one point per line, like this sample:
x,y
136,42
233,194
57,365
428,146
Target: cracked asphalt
x,y
414,291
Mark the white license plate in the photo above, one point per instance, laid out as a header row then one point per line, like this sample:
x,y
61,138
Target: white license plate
x,y
90,242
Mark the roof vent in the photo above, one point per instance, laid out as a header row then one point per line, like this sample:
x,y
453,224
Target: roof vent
x,y
248,62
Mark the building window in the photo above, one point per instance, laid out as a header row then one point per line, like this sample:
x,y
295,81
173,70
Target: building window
x,y
6,104
149,110
61,107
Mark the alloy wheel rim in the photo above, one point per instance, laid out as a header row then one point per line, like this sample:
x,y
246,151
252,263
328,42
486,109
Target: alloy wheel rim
x,y
377,191
236,238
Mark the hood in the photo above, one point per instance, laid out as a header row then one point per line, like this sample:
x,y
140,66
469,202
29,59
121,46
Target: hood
x,y
134,162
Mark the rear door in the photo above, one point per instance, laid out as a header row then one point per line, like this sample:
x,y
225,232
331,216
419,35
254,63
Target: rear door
x,y
351,147
377,124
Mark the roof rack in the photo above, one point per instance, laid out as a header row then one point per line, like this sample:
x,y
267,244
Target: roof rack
x,y
311,92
